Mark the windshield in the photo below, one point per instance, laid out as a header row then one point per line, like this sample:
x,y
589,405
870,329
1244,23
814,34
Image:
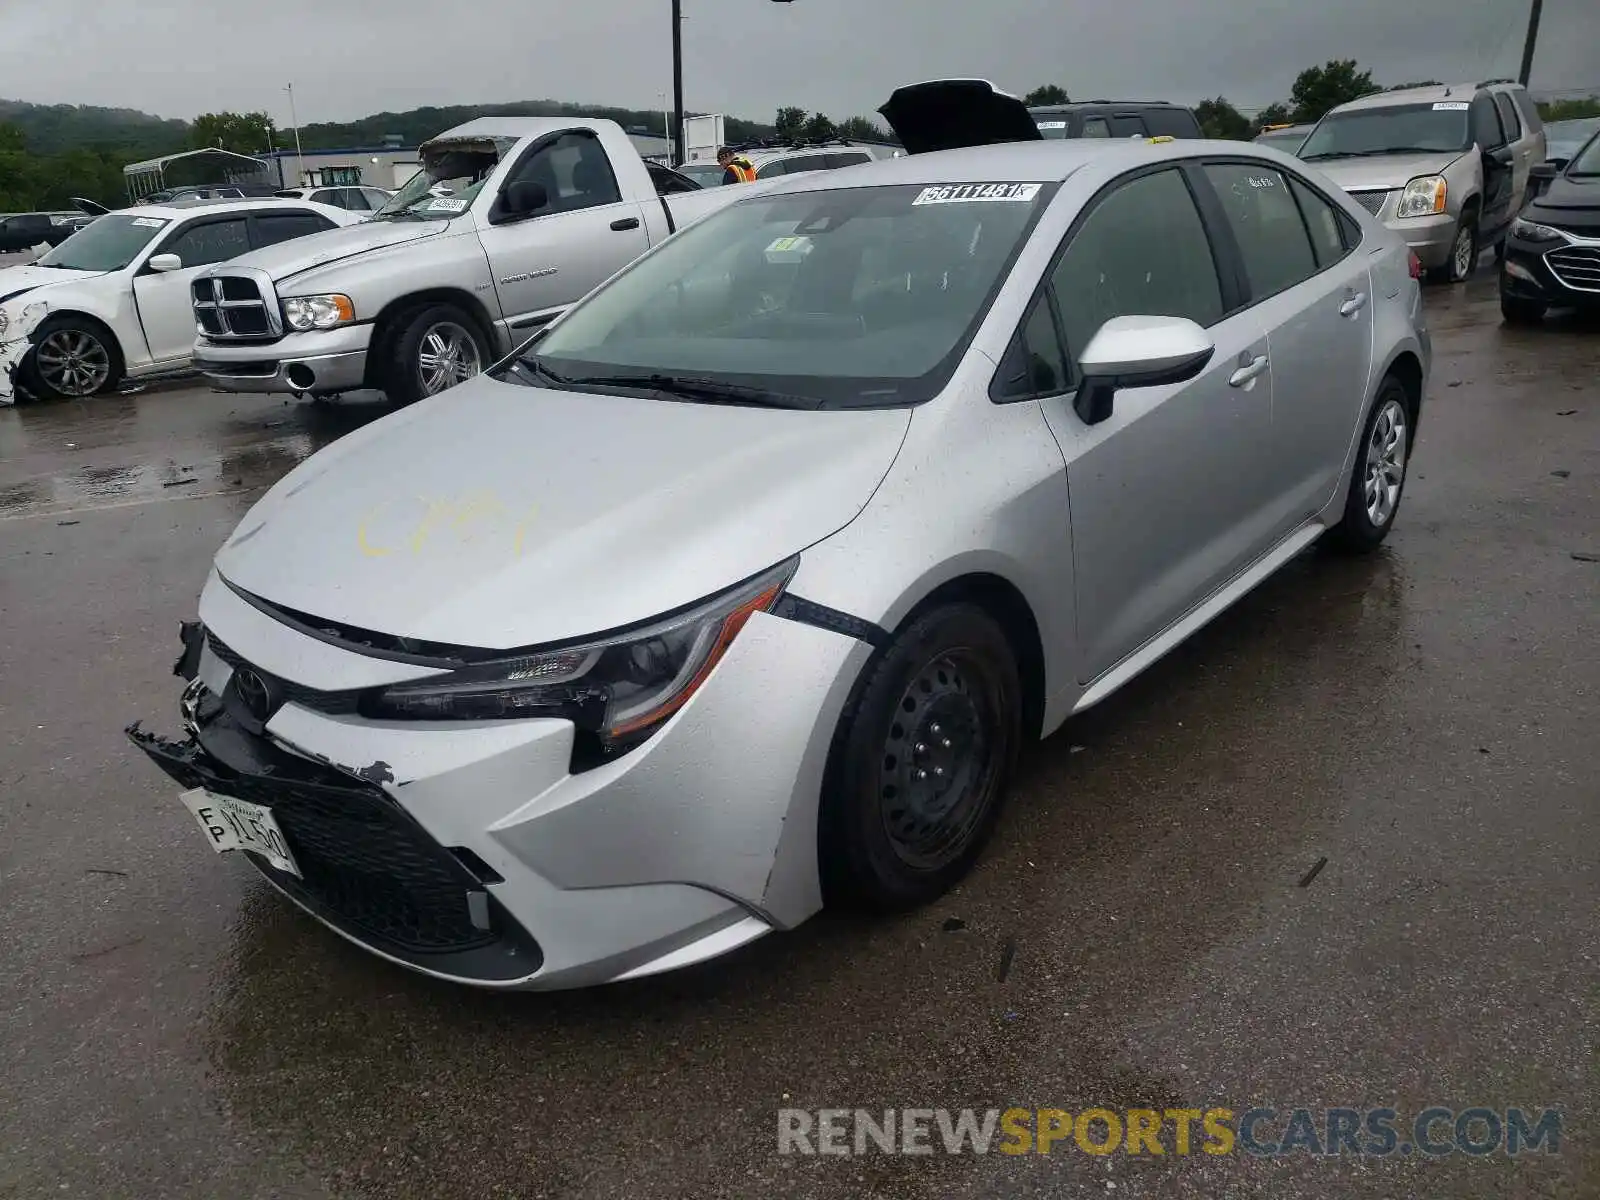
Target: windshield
x,y
108,244
1287,140
1051,127
1587,161
452,175
851,297
1440,126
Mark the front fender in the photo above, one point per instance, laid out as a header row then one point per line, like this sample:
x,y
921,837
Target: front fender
x,y
15,342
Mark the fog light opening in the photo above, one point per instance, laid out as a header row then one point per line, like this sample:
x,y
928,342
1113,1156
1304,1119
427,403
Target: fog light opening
x,y
301,377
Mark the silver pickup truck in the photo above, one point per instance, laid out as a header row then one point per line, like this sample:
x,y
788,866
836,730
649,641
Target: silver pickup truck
x,y
509,221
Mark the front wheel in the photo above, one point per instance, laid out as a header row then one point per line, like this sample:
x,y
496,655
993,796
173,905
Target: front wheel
x,y
1515,310
433,348
920,763
72,357
1464,248
1379,476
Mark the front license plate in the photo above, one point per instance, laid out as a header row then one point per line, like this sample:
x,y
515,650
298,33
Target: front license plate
x,y
231,824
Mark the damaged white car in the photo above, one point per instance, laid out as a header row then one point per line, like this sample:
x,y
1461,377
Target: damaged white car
x,y
112,302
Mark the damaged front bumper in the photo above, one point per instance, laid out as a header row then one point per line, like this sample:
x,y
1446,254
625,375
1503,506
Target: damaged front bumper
x,y
17,323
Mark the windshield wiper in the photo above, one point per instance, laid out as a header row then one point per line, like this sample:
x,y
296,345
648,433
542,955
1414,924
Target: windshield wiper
x,y
534,367
710,391
1375,153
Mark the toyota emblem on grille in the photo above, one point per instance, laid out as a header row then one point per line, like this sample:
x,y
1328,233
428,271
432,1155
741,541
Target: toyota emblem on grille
x,y
254,692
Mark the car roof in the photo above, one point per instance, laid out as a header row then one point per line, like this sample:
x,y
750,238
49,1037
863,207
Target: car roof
x,y
1416,95
173,209
1046,161
1079,105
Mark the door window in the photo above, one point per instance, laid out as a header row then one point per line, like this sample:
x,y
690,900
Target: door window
x,y
1096,127
1142,251
1172,122
778,166
848,159
201,244
1127,125
272,228
1486,130
1322,220
1508,116
333,196
575,172
1267,225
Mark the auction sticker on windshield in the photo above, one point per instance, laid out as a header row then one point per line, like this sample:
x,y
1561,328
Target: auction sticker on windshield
x,y
1451,106
447,204
978,193
232,824
149,222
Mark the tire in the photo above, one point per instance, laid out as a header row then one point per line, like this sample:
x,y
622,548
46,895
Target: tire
x,y
443,331
950,677
1516,310
72,357
1378,479
1463,260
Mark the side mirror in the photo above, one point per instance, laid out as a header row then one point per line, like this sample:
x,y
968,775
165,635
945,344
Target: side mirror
x,y
523,198
165,262
1130,352
1545,171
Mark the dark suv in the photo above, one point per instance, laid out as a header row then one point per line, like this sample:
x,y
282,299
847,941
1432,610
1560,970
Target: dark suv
x,y
1553,248
1116,119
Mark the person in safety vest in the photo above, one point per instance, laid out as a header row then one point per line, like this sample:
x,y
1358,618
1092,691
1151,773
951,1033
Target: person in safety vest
x,y
736,167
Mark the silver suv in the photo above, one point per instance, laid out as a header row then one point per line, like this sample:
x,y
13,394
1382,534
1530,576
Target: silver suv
x,y
1444,166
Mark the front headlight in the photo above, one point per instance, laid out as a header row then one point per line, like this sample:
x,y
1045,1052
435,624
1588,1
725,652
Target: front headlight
x,y
1424,196
618,689
318,312
1532,231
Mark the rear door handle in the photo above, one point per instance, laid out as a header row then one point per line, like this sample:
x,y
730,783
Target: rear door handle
x,y
1248,371
625,224
1353,304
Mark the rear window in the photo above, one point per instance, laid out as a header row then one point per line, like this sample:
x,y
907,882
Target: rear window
x,y
1171,122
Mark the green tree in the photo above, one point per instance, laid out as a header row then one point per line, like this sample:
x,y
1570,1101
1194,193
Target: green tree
x,y
1219,119
243,133
863,129
791,122
1275,114
1050,93
1570,110
819,128
1336,82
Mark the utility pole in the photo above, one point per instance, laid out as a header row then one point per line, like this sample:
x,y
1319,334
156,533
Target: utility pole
x,y
676,133
299,158
1533,38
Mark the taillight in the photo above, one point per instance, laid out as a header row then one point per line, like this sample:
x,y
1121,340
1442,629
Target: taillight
x,y
1414,263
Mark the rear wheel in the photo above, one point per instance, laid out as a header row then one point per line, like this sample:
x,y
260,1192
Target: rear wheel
x,y
1516,310
72,357
1379,477
433,348
921,762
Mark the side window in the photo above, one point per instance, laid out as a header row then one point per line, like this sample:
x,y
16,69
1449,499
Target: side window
x,y
200,245
1127,125
1528,110
376,198
1267,225
1486,129
275,227
669,182
1035,364
1322,219
1172,122
575,172
778,166
1508,116
1096,127
331,196
848,159
1141,251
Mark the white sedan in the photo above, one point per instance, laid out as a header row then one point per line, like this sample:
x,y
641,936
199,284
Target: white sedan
x,y
112,302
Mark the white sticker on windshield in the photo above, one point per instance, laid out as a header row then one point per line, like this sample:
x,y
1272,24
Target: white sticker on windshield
x,y
1451,106
978,193
1052,124
149,222
788,249
447,204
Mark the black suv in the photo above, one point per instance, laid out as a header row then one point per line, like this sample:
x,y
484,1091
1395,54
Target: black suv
x,y
1116,119
1553,249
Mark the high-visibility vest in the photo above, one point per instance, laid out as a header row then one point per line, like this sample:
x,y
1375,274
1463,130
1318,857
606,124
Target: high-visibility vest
x,y
743,171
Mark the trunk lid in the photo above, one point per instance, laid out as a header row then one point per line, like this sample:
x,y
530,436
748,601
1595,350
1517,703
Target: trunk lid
x,y
949,114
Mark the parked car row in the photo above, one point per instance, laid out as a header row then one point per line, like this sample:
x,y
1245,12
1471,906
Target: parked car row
x,y
762,568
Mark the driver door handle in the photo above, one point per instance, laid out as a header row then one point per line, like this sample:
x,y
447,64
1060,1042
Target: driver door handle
x,y
625,224
1354,303
1249,369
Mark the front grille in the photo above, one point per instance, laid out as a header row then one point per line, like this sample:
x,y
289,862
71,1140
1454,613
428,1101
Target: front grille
x,y
334,703
1577,267
234,308
1371,201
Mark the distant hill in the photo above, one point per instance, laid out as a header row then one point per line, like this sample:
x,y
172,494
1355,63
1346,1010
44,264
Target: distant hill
x,y
58,128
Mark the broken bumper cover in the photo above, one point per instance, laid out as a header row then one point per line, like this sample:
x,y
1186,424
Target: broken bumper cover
x,y
17,323
685,848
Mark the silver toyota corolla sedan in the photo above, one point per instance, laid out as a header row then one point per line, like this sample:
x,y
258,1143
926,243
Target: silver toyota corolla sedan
x,y
738,590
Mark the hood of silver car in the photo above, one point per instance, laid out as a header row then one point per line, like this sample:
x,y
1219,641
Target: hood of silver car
x,y
1385,173
497,515
333,245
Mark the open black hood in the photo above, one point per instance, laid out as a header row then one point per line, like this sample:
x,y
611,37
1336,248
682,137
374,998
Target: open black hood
x,y
88,208
948,114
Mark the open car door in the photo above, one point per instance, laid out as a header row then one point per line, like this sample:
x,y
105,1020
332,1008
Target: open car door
x,y
948,114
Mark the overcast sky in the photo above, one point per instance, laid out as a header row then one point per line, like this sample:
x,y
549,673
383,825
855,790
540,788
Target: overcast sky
x,y
745,57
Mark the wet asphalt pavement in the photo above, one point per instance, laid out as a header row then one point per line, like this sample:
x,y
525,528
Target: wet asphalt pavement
x,y
1425,720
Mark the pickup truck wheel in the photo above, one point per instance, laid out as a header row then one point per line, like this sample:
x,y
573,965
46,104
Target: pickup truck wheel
x,y
433,349
72,357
